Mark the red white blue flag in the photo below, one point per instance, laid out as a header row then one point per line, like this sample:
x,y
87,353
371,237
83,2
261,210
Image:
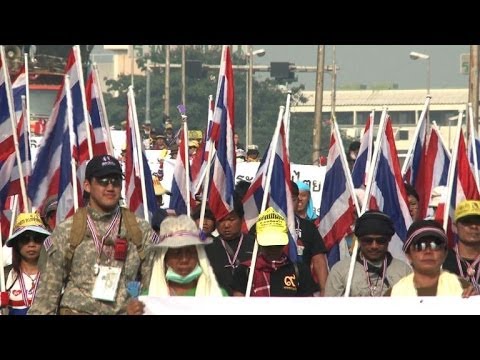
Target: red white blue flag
x,y
223,128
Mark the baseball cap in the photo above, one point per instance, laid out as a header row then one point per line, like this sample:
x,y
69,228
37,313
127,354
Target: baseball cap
x,y
168,126
271,228
102,165
467,208
27,222
437,196
424,228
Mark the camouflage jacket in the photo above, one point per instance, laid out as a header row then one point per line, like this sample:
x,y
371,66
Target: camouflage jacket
x,y
78,285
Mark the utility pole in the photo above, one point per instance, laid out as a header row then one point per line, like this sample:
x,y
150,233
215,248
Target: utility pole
x,y
146,52
318,103
473,83
334,84
167,81
183,76
250,96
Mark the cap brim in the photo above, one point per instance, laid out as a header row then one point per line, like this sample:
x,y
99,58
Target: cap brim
x,y
182,241
33,228
104,172
272,238
422,235
466,216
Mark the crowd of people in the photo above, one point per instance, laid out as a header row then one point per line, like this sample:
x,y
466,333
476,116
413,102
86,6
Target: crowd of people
x,y
100,260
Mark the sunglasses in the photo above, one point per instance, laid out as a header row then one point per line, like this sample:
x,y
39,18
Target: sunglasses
x,y
115,181
369,240
422,245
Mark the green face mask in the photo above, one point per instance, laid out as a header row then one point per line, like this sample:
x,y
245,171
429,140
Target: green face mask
x,y
179,279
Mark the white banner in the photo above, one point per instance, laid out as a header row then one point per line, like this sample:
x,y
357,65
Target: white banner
x,y
190,305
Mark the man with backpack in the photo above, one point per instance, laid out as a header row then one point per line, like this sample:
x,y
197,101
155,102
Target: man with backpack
x,y
93,257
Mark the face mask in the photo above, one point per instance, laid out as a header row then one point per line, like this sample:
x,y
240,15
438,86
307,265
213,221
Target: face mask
x,y
179,279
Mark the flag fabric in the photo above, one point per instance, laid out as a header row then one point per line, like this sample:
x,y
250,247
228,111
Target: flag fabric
x,y
435,170
199,162
178,197
337,209
133,186
388,189
51,176
362,163
93,94
223,128
411,171
474,146
463,185
280,189
7,146
19,89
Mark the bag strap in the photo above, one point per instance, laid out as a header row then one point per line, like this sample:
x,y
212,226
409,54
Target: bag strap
x,y
134,234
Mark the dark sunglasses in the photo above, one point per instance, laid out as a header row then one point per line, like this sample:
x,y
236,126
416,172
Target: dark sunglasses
x,y
28,238
369,240
115,181
422,245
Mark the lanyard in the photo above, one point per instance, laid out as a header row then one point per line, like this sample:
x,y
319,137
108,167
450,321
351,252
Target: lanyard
x,y
233,262
372,287
472,274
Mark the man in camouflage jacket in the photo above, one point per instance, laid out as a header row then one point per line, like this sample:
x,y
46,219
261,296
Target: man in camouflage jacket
x,y
98,251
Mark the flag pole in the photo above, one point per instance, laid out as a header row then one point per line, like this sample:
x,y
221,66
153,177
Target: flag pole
x,y
88,125
139,152
408,158
187,162
273,147
374,165
71,133
451,170
286,118
104,117
473,144
205,176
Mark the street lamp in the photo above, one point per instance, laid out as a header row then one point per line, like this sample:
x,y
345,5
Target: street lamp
x,y
249,89
415,56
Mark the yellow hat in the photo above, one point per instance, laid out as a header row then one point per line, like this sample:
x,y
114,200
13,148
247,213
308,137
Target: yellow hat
x,y
27,222
271,228
193,143
467,208
157,186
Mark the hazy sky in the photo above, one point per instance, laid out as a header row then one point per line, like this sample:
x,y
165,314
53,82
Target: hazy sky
x,y
376,64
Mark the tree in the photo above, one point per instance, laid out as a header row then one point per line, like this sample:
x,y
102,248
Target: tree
x,y
267,98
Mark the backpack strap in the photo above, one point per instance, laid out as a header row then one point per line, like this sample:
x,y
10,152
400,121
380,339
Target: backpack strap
x,y
134,234
77,233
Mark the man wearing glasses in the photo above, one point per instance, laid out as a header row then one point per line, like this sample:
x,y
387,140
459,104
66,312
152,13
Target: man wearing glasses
x,y
375,269
93,256
464,258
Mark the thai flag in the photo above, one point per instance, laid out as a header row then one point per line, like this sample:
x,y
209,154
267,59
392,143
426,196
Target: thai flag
x,y
474,146
337,209
223,128
388,190
93,94
19,89
133,186
463,185
414,166
280,189
362,164
178,198
7,147
435,170
199,162
51,175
